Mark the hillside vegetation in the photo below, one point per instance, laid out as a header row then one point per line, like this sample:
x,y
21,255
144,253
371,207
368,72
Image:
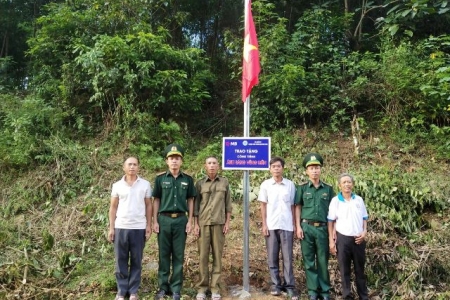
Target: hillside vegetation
x,y
85,83
54,224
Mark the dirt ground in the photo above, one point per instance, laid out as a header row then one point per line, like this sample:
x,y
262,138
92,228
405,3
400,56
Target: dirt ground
x,y
259,279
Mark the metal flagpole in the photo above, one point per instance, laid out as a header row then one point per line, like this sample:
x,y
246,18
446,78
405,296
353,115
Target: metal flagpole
x,y
250,71
246,192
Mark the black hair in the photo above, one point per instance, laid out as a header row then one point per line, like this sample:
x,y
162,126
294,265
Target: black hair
x,y
276,159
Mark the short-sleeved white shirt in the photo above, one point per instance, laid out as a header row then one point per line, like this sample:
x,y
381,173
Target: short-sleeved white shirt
x,y
349,215
280,199
131,210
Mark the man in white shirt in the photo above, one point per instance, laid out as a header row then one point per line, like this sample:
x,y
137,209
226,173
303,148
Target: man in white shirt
x,y
347,217
130,214
277,211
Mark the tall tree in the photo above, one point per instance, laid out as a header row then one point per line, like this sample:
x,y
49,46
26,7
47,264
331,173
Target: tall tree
x,y
96,59
17,24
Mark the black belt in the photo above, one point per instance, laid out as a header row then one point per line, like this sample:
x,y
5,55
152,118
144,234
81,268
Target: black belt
x,y
173,214
314,223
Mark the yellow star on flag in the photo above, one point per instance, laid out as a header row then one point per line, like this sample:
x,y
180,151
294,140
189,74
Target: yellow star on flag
x,y
248,47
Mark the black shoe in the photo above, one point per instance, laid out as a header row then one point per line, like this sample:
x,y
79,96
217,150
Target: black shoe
x,y
160,295
326,298
176,296
312,297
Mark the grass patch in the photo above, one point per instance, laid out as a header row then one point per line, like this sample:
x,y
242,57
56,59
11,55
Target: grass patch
x,y
55,220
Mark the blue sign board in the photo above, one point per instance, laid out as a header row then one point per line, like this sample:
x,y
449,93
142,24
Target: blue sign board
x,y
246,153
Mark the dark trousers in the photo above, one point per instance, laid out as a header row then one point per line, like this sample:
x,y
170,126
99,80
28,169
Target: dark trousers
x,y
128,249
348,251
276,241
171,242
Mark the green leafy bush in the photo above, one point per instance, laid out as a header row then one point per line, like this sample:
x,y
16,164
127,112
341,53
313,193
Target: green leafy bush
x,y
397,199
24,124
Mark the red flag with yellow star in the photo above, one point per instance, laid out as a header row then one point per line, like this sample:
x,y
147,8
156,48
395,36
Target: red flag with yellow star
x,y
250,68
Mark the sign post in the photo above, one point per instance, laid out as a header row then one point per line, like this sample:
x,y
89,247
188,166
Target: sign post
x,y
246,153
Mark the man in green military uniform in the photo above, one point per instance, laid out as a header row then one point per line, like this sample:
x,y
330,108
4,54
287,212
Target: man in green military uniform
x,y
173,197
312,200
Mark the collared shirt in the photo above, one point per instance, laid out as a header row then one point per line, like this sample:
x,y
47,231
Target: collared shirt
x,y
131,209
213,201
280,199
173,192
314,201
349,215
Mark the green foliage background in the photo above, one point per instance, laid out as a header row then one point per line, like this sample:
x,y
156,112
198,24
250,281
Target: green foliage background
x,y
84,83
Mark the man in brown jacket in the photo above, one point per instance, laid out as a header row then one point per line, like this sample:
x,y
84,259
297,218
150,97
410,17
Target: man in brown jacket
x,y
212,214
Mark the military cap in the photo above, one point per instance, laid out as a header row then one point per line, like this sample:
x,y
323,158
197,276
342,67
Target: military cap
x,y
312,159
174,149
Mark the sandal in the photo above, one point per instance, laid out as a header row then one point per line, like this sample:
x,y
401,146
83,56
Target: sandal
x,y
134,297
119,297
292,294
274,291
200,296
215,296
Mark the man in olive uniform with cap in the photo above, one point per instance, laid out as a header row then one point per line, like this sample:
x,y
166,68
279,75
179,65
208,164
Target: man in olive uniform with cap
x,y
312,200
173,197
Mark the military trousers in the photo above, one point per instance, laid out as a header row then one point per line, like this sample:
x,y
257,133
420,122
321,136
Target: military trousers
x,y
211,238
315,253
171,243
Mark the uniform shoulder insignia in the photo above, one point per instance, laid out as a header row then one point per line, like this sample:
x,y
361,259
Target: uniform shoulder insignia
x,y
303,183
326,183
184,173
162,173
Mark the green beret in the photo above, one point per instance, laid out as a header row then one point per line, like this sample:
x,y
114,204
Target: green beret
x,y
312,159
174,149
